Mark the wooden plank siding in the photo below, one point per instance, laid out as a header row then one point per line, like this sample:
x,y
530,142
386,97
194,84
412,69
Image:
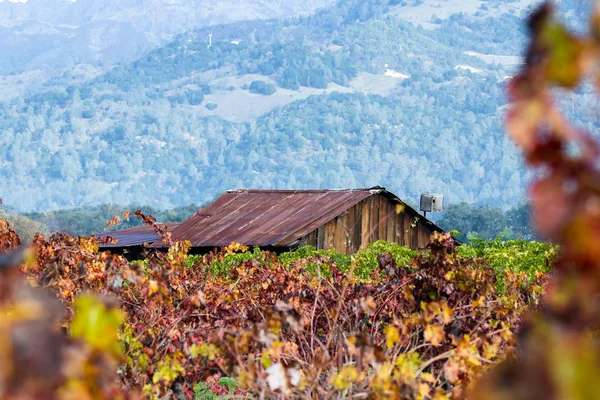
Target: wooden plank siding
x,y
368,221
383,218
357,228
364,229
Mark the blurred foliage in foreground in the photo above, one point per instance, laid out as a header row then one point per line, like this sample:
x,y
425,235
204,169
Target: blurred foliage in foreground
x,y
559,352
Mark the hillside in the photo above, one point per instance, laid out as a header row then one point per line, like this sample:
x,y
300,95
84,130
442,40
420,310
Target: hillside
x,y
355,95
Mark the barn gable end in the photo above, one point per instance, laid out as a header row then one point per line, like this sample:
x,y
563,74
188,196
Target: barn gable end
x,y
372,219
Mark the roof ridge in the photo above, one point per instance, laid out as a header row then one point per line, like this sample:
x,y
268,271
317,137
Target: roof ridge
x,y
340,190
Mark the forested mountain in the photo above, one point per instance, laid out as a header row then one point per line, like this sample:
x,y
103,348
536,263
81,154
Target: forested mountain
x,y
359,94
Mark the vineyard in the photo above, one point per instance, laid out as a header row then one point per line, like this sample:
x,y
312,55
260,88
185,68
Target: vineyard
x,y
238,322
488,320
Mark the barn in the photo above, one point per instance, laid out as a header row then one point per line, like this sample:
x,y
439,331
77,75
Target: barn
x,y
281,220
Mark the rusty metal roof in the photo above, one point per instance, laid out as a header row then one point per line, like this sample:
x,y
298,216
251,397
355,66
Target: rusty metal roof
x,y
134,236
268,217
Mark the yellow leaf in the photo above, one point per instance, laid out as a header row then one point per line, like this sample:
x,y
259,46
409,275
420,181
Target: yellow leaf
x,y
265,360
447,313
345,377
392,334
434,334
428,377
235,247
205,350
408,365
400,208
479,302
439,395
152,287
490,350
97,324
423,391
75,390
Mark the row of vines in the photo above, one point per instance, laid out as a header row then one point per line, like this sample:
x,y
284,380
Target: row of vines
x,y
387,322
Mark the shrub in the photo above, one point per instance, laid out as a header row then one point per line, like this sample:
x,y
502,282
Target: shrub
x,y
261,87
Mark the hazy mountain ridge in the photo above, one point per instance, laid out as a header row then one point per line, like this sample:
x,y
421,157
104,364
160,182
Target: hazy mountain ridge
x,y
58,33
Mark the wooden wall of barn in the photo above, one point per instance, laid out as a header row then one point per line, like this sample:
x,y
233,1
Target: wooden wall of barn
x,y
373,219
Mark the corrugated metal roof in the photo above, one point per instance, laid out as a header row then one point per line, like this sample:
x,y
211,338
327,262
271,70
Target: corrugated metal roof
x,y
134,236
268,217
